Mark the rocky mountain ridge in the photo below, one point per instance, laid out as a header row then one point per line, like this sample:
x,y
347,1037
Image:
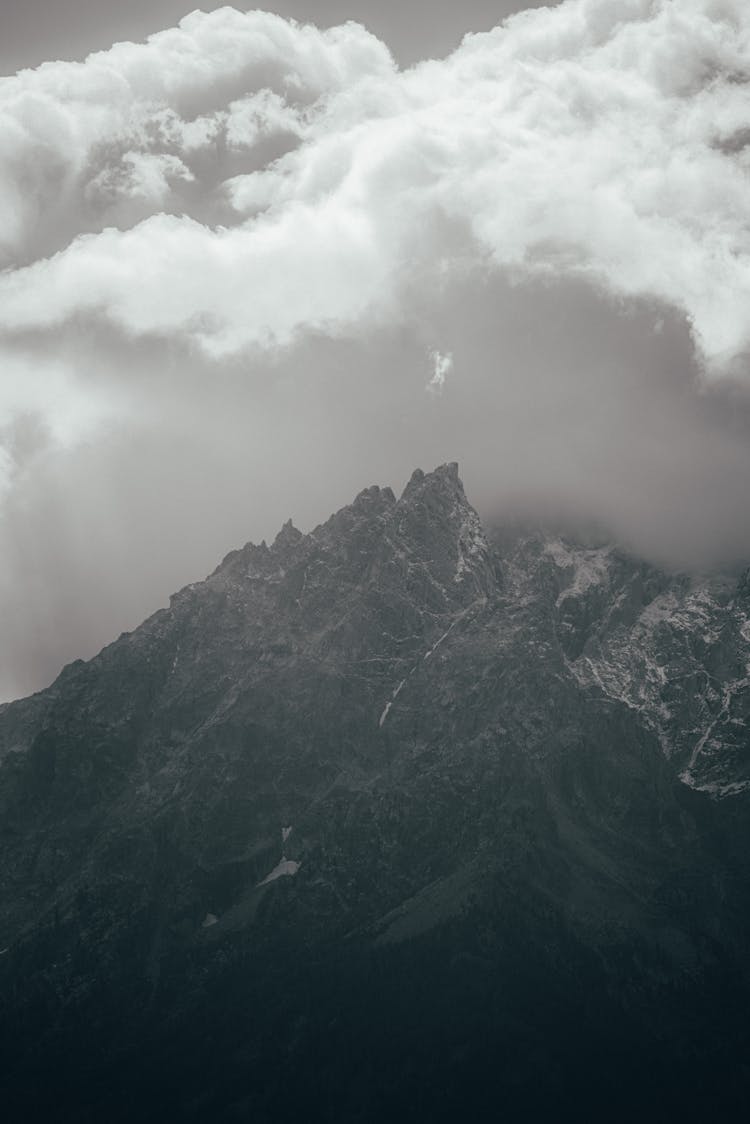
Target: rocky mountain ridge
x,y
513,770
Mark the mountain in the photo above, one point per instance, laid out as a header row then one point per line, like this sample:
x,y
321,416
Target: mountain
x,y
398,819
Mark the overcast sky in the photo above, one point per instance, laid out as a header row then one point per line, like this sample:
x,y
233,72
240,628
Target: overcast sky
x,y
250,266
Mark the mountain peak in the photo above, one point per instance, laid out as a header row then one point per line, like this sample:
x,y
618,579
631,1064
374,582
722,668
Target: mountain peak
x,y
287,536
444,478
446,531
374,498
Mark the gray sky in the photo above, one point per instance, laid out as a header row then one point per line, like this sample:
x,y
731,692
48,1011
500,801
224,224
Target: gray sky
x,y
250,268
34,31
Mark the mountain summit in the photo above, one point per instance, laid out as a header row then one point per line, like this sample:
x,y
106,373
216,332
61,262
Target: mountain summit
x,y
395,819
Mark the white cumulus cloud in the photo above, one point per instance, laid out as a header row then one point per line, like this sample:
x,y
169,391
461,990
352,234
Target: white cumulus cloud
x,y
602,139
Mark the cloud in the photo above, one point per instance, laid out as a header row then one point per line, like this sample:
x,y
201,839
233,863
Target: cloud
x,y
442,365
48,405
142,176
65,124
598,140
228,253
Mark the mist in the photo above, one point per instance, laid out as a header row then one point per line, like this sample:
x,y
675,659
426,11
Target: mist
x,y
559,405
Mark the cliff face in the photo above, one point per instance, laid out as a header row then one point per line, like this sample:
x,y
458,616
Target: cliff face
x,y
387,820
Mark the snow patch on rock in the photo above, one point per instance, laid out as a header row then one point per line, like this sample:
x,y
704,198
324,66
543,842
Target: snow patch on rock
x,y
285,869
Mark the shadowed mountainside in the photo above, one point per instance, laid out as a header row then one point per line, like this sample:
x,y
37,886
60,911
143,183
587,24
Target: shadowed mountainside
x,y
392,820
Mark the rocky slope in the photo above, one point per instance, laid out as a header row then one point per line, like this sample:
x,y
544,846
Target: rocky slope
x,y
389,820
